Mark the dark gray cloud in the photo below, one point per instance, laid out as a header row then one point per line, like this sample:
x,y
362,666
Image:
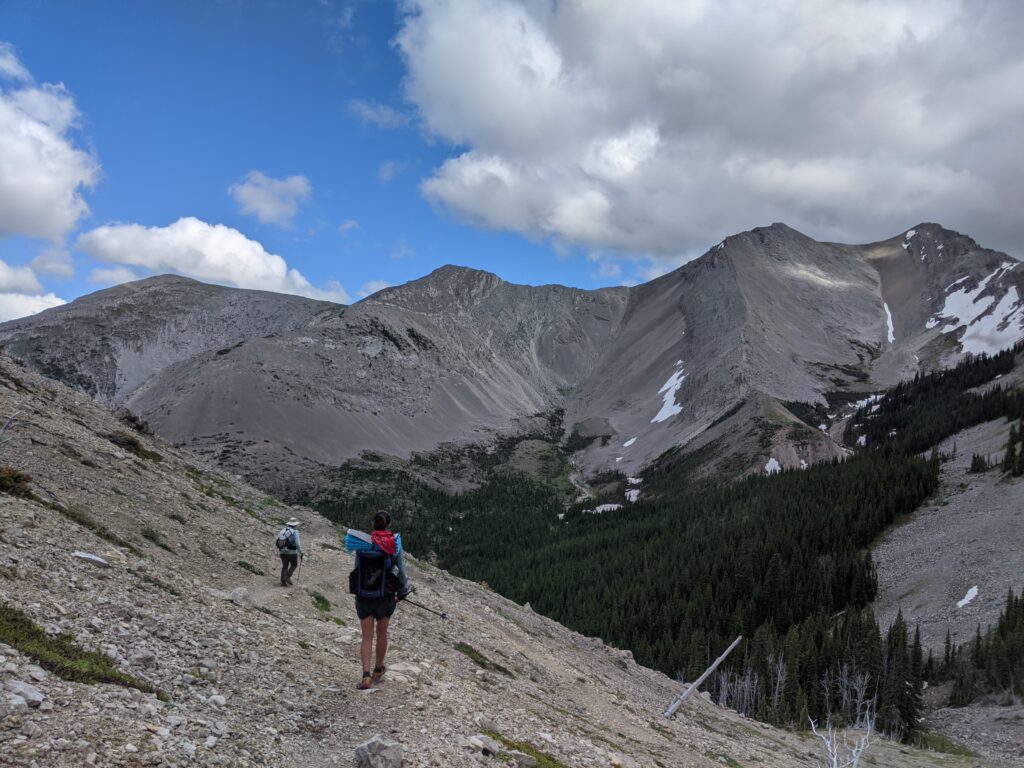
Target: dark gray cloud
x,y
657,127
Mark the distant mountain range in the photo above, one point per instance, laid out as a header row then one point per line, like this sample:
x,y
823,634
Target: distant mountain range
x,y
754,345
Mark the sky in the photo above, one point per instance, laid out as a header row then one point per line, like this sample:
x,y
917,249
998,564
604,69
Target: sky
x,y
330,148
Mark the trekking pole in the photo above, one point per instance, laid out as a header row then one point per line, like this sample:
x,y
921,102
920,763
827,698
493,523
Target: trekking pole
x,y
299,569
420,605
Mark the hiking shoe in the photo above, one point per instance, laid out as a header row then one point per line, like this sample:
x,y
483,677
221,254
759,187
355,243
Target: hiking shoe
x,y
378,674
366,683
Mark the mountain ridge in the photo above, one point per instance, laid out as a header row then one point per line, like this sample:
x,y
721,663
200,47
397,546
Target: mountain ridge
x,y
463,356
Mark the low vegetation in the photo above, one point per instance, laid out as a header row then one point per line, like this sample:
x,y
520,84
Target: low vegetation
x,y
132,444
321,602
59,654
480,660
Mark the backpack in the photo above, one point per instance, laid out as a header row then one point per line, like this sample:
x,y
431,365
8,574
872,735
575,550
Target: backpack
x,y
286,539
374,577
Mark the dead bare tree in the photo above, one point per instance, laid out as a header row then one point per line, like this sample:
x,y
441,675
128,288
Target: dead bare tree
x,y
4,436
842,754
777,666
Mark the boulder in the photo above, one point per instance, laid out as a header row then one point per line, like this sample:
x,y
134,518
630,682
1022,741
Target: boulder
x,y
32,695
379,752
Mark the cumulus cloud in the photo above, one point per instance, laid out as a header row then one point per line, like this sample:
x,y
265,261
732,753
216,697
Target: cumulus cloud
x,y
272,201
15,305
112,275
375,113
56,262
18,279
372,287
211,252
657,127
42,172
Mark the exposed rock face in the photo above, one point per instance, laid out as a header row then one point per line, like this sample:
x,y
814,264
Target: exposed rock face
x,y
268,383
269,680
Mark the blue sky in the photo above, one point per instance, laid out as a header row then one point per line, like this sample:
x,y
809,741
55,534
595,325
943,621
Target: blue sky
x,y
179,101
328,147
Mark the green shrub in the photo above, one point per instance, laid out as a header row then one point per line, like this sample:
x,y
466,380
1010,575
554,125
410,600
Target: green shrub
x,y
321,602
245,566
15,483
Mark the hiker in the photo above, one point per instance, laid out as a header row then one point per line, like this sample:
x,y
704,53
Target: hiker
x,y
289,545
378,581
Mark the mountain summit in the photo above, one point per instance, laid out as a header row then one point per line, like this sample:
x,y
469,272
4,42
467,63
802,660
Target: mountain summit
x,y
765,318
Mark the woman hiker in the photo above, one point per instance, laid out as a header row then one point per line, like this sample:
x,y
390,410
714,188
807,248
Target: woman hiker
x,y
289,546
378,582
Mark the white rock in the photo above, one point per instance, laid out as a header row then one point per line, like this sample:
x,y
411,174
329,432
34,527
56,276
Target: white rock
x,y
91,558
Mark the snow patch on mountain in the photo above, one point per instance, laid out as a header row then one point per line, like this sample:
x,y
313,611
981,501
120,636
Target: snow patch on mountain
x,y
971,594
669,407
629,442
772,467
890,330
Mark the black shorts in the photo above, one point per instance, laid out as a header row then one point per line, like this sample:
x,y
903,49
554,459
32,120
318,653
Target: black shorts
x,y
379,608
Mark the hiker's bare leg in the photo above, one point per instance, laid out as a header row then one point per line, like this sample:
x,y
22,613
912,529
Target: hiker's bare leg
x,y
382,641
365,647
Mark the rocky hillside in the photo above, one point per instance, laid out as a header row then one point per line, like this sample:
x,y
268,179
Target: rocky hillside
x,y
121,542
722,347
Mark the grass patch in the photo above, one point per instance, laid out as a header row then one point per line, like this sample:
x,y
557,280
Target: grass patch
x,y
543,759
246,566
153,535
132,444
303,645
937,742
60,655
321,602
82,519
480,660
155,582
177,517
336,620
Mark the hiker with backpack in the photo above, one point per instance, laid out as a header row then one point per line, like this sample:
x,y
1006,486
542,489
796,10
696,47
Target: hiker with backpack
x,y
378,581
289,546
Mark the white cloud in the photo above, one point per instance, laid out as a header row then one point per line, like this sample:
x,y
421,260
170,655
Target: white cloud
x,y
18,279
112,275
372,287
15,305
56,262
378,114
388,170
656,127
10,67
42,172
402,250
273,201
348,226
211,252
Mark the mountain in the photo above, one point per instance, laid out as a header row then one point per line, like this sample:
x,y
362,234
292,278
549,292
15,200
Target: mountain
x,y
120,544
752,347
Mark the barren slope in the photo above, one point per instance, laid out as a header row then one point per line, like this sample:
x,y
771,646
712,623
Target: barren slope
x,y
255,674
